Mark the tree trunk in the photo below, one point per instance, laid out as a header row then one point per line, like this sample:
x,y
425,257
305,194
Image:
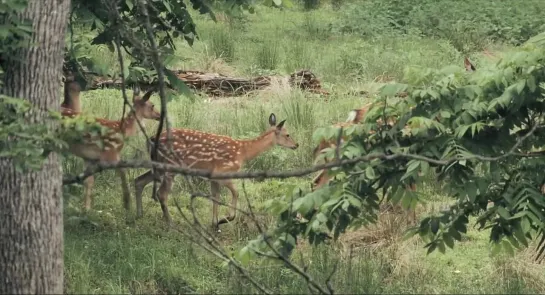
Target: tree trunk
x,y
31,228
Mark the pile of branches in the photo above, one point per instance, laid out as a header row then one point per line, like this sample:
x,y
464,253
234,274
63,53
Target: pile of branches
x,y
218,85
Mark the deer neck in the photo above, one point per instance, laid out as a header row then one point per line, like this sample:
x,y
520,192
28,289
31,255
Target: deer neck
x,y
128,125
71,100
254,147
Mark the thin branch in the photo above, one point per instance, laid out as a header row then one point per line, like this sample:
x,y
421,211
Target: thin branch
x,y
123,90
215,245
160,82
287,174
338,146
277,255
328,280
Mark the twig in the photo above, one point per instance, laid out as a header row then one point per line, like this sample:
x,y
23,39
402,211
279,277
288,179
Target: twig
x,y
338,146
328,281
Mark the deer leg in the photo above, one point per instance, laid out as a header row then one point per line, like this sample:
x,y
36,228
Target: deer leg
x,y
88,189
233,209
164,190
124,188
411,213
320,180
215,190
139,184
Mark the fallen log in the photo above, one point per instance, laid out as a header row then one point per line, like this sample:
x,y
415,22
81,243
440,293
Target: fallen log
x,y
217,85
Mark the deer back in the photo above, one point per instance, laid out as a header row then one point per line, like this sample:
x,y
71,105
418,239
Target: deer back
x,y
201,150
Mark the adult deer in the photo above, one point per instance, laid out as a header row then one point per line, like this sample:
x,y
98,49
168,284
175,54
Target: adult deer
x,y
212,152
112,142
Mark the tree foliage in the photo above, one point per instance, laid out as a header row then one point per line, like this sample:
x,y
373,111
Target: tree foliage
x,y
480,135
474,24
127,23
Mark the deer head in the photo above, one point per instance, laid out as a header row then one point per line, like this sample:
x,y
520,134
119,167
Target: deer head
x,y
143,107
281,135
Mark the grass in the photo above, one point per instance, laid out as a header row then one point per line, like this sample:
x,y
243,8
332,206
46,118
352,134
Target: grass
x,y
106,254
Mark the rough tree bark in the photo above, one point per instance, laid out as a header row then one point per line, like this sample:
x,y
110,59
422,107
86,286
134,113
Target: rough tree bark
x,y
31,229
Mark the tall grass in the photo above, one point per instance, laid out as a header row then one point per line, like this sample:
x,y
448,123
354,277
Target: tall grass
x,y
268,55
222,43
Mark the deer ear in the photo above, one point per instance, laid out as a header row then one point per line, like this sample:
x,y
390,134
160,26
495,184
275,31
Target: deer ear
x,y
280,125
272,120
352,116
148,94
135,92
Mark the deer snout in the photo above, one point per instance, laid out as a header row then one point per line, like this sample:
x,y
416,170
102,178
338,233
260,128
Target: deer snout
x,y
295,146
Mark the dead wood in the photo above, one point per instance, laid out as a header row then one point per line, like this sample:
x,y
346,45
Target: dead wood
x,y
218,85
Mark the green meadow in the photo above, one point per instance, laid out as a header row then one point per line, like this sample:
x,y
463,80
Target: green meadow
x,y
351,49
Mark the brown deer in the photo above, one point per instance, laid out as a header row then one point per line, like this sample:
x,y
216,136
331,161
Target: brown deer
x,y
71,106
212,152
113,140
468,65
355,116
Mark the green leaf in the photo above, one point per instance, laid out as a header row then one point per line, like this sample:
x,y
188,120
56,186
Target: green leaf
x,y
434,225
167,6
471,189
444,114
303,205
369,172
318,134
455,234
434,93
178,84
441,246
431,248
520,236
531,82
525,225
509,249
518,215
129,4
355,202
495,248
321,217
406,201
244,256
503,213
519,86
392,89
